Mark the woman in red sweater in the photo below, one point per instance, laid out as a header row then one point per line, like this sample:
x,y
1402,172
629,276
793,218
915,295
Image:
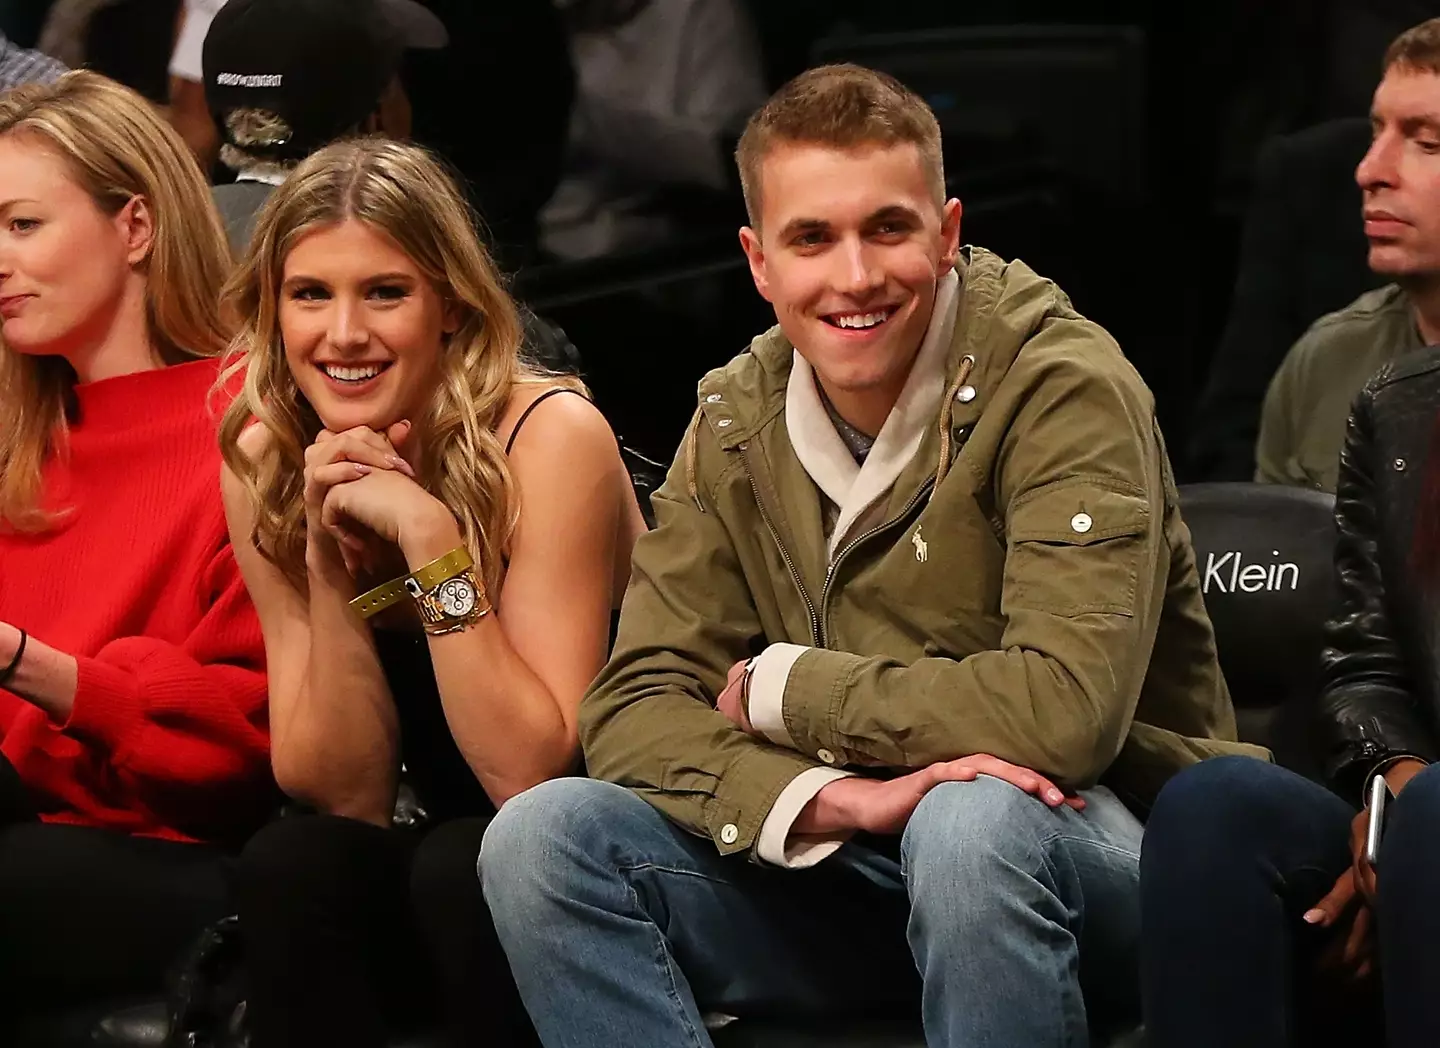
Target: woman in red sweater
x,y
133,722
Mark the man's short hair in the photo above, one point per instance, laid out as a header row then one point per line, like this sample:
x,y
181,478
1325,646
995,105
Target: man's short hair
x,y
842,107
1417,50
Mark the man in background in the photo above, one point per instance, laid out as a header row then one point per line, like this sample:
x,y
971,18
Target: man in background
x,y
285,77
1302,427
187,93
664,90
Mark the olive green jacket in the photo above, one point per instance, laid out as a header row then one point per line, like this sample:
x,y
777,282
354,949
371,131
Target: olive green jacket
x,y
1026,587
1302,426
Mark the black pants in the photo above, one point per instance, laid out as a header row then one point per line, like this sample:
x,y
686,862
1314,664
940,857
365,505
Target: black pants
x,y
353,933
1236,851
91,915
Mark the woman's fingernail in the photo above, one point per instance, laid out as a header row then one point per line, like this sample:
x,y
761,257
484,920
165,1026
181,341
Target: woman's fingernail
x,y
1313,916
360,467
1054,796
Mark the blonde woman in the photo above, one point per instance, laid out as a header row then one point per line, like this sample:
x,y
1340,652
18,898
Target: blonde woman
x,y
132,688
435,537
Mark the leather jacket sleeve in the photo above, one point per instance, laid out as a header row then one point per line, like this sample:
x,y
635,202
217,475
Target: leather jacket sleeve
x,y
1368,708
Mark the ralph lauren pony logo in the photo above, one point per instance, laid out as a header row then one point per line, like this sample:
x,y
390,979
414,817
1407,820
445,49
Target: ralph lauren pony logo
x,y
922,548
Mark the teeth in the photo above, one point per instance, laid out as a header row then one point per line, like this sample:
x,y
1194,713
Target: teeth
x,y
861,320
344,374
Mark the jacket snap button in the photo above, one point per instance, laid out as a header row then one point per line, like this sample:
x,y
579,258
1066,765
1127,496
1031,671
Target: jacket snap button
x,y
1081,523
826,756
965,394
729,833
724,423
713,398
1400,465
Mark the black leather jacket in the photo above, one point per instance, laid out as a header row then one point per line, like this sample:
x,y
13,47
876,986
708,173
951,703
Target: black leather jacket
x,y
1380,685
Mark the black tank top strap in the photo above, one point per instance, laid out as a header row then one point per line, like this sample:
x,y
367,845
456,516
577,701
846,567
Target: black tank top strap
x,y
533,405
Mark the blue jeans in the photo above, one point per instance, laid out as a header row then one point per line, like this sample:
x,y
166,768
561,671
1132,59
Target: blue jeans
x,y
1235,851
622,929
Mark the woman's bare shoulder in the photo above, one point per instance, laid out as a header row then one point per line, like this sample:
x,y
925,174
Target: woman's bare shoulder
x,y
565,415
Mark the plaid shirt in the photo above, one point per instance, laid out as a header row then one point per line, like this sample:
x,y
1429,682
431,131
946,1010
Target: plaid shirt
x,y
20,66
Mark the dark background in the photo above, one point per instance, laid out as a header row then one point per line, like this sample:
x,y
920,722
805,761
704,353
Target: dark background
x,y
1108,144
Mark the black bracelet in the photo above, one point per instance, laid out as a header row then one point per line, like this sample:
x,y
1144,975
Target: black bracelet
x,y
9,671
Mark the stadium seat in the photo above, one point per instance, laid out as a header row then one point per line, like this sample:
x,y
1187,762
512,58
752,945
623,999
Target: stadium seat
x,y
1264,553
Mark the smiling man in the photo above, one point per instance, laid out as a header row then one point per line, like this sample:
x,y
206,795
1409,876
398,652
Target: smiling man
x,y
1303,424
918,633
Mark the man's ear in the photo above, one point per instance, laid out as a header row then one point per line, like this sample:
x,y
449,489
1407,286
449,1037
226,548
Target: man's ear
x,y
950,234
755,255
136,225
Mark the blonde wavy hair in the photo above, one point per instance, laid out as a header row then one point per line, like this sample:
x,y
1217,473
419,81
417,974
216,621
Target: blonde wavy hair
x,y
405,193
117,148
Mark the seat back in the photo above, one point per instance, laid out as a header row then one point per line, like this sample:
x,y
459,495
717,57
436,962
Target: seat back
x,y
1071,95
1265,557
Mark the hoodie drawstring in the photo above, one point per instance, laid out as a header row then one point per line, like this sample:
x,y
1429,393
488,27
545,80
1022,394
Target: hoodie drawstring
x,y
967,365
692,438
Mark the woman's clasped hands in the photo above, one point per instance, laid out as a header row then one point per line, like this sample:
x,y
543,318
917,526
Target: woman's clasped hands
x,y
361,495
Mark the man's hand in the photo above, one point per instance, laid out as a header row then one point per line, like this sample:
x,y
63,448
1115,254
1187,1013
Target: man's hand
x,y
731,701
885,805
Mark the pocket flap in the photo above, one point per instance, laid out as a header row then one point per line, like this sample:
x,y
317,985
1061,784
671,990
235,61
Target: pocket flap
x,y
1078,513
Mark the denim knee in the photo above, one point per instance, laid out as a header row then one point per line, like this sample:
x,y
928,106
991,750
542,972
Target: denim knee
x,y
534,847
961,832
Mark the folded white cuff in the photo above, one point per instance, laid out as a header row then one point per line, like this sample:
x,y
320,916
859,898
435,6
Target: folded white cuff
x,y
768,677
776,845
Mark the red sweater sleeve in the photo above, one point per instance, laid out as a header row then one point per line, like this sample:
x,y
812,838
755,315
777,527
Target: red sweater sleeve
x,y
186,725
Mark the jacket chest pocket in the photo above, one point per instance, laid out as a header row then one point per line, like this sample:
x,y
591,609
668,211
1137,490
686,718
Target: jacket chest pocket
x,y
1075,548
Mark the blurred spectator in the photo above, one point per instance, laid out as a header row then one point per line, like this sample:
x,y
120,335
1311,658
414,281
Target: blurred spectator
x,y
188,112
1303,256
21,66
496,105
1302,426
127,40
664,88
285,77
66,23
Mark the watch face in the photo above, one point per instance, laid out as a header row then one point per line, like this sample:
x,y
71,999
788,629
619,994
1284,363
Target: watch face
x,y
456,597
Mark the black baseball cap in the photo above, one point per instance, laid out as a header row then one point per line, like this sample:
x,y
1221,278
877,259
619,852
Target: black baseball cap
x,y
320,65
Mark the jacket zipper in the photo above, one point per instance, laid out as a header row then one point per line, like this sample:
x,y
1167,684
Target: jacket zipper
x,y
815,638
909,507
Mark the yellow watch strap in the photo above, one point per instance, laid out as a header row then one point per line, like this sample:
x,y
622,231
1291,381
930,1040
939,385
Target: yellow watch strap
x,y
374,601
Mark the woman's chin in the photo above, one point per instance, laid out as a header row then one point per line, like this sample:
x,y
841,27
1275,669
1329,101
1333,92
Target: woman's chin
x,y
19,340
337,419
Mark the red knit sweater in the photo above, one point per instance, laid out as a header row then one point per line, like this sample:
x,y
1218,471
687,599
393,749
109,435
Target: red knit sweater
x,y
169,734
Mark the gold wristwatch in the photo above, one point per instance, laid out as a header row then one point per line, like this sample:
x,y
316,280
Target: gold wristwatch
x,y
447,594
450,606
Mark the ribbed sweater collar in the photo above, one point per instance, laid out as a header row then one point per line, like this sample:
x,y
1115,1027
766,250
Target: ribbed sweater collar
x,y
143,397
